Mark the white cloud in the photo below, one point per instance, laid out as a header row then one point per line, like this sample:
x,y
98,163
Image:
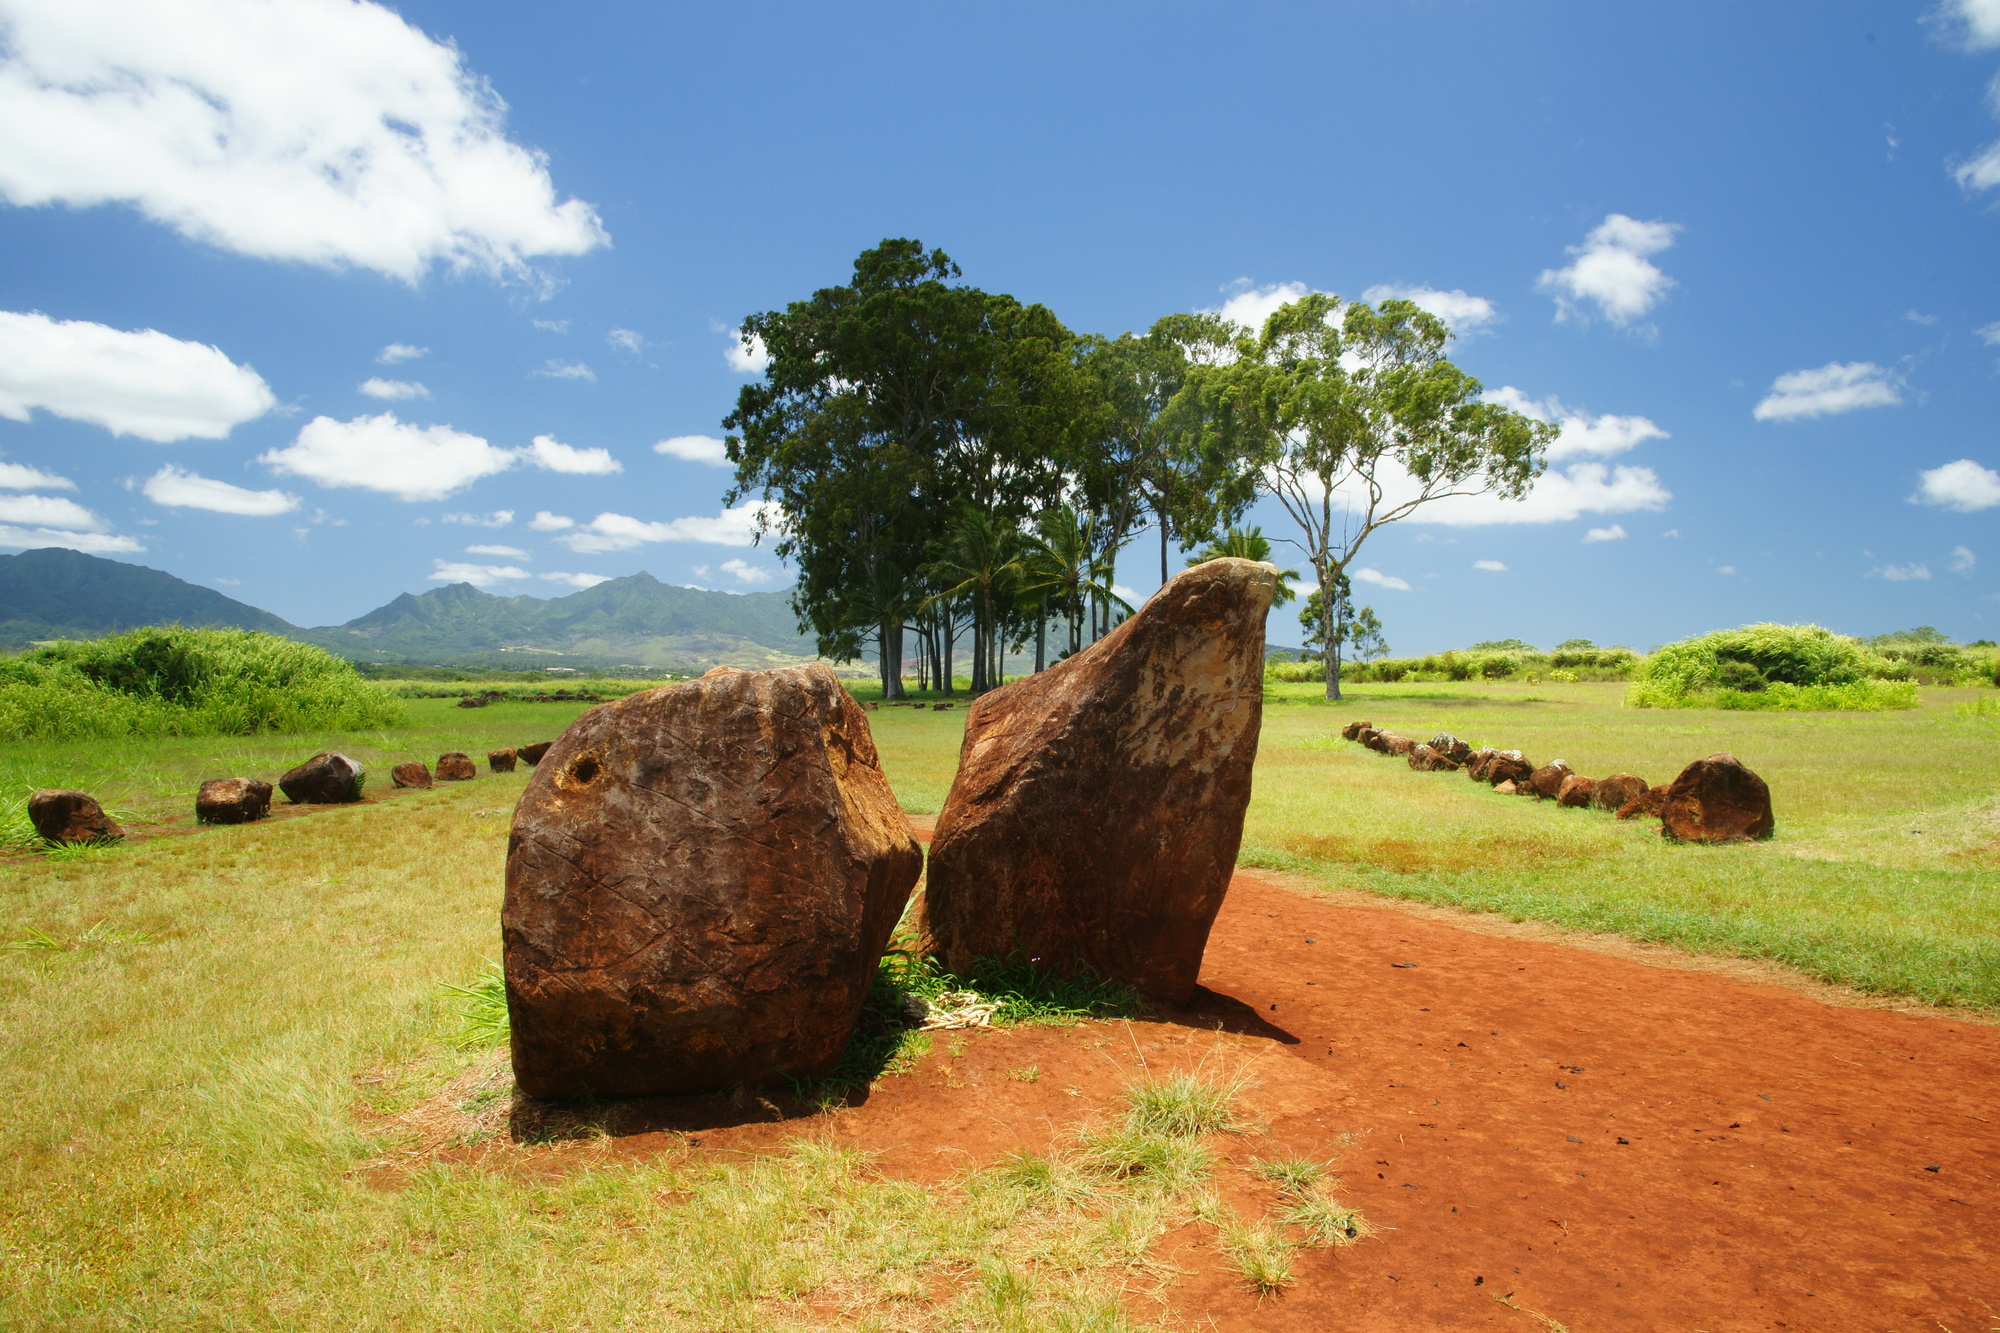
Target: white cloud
x,y
1130,595
1582,435
1671,532
567,370
552,455
619,532
1990,335
512,552
91,543
1903,573
228,583
1491,566
383,454
189,490
1612,270
1963,561
1917,317
499,518
396,352
746,358
48,511
576,580
1726,569
329,132
695,449
746,572
552,325
626,340
1377,577
1834,387
544,521
143,383
1556,497
1251,306
1964,487
1464,313
1615,533
1974,23
393,390
21,477
479,576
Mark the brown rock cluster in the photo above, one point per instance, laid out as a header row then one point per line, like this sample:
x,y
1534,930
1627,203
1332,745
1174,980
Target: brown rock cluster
x,y
232,801
65,817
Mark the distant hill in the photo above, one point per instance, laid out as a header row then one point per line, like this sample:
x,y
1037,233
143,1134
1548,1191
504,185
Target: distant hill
x,y
60,594
635,621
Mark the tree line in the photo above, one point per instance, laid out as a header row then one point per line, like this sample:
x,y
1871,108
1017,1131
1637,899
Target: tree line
x,y
944,464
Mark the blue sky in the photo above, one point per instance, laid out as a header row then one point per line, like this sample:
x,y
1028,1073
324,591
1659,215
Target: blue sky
x,y
1746,253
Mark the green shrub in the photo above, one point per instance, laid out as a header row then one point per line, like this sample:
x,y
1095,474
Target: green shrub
x,y
171,681
1786,667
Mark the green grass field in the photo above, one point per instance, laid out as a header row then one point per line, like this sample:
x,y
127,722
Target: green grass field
x,y
210,1036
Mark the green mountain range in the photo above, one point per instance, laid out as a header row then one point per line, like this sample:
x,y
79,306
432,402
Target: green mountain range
x,y
635,621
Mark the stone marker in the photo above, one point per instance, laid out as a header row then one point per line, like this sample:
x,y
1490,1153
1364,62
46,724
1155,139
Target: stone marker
x,y
1616,791
1548,779
232,801
325,779
532,754
1427,759
500,761
1098,805
410,775
456,766
64,817
939,708
1475,763
700,884
1647,802
1576,792
1716,799
1396,745
1508,766
1451,747
1353,730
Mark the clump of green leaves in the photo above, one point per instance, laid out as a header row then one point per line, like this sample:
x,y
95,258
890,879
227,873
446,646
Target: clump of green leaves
x,y
1293,1175
1184,1105
1767,666
482,1009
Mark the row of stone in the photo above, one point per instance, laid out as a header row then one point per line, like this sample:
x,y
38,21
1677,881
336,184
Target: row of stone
x,y
64,817
1716,799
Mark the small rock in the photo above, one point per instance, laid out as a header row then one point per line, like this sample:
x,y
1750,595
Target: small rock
x,y
1647,802
939,708
410,775
1548,779
532,754
873,707
500,761
64,817
1576,792
1505,787
325,779
1717,799
232,801
1616,791
1451,747
455,766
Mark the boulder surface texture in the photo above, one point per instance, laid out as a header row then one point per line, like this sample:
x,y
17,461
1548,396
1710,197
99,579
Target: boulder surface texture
x,y
500,761
456,766
1577,792
1098,805
1717,799
701,879
71,816
1647,802
1507,766
325,779
1617,791
410,775
232,801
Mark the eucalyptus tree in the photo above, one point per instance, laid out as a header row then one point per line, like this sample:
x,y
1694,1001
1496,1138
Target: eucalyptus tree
x,y
1364,421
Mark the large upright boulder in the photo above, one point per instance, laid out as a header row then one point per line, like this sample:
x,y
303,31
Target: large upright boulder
x,y
232,801
1717,799
1098,805
63,817
325,779
701,880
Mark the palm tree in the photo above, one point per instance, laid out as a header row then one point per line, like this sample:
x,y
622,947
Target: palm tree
x,y
1248,544
1063,566
979,559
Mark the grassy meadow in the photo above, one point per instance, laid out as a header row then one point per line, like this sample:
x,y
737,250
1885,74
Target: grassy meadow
x,y
219,1042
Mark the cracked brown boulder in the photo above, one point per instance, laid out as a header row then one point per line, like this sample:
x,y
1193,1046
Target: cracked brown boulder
x,y
532,754
1426,759
456,766
325,779
1577,792
500,761
1098,805
1507,766
62,816
1549,778
410,775
1475,763
232,801
1717,799
1451,747
1616,791
1352,731
701,879
1647,802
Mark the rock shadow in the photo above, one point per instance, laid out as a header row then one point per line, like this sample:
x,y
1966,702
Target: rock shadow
x,y
1212,1011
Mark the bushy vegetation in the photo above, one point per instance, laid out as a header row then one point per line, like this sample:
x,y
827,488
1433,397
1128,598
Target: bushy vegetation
x,y
1503,660
1766,666
171,681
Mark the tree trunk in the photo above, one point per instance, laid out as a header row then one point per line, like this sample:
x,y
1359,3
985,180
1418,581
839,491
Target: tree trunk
x,y
1163,552
947,632
1042,634
1329,609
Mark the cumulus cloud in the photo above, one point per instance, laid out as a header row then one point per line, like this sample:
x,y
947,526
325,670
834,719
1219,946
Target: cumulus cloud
x,y
1963,487
746,357
1490,566
1250,306
544,521
21,477
1556,497
142,383
1834,387
48,511
329,132
1381,580
479,576
552,455
576,580
620,532
1963,561
626,340
393,390
1903,573
190,490
1615,533
567,370
1583,435
383,454
398,352
695,449
552,325
1612,270
510,552
499,518
1464,313
90,543
1990,334
1973,23
746,572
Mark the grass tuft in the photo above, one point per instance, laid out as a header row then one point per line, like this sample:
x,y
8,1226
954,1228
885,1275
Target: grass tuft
x,y
1293,1175
482,1009
1321,1221
1184,1106
1263,1255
